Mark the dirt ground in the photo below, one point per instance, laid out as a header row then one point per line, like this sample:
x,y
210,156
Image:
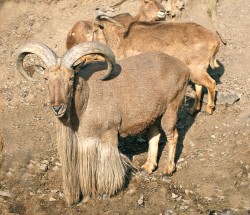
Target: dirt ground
x,y
213,158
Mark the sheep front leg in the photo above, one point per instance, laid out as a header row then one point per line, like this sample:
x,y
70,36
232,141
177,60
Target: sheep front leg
x,y
102,168
168,122
154,138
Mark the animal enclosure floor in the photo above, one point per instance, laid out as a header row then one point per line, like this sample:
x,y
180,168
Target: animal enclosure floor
x,y
213,159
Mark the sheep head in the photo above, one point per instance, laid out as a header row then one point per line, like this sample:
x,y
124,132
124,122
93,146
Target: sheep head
x,y
59,74
151,10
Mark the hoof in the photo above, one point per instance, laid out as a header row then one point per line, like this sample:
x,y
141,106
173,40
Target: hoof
x,y
192,112
209,111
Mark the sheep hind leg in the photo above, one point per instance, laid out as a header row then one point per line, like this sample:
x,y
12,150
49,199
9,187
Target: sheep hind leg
x,y
168,122
154,138
197,102
206,81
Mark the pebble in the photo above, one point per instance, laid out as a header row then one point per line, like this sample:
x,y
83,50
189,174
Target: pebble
x,y
5,193
187,202
45,162
141,200
54,191
184,207
179,198
51,199
181,160
213,136
169,212
43,167
174,196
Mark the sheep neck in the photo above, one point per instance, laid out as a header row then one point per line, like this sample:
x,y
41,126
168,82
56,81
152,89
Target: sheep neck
x,y
113,36
77,105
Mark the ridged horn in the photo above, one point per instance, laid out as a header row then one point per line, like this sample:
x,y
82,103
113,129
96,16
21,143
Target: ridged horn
x,y
109,18
82,49
41,50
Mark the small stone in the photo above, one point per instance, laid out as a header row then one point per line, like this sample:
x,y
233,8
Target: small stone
x,y
179,198
187,202
186,192
184,207
5,193
45,162
141,201
54,191
55,168
181,160
43,167
169,212
213,136
174,196
51,199
58,164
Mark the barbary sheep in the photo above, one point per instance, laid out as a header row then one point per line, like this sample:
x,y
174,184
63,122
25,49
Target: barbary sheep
x,y
189,42
82,31
94,105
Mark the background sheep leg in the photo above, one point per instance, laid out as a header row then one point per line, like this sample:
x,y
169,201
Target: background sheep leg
x,y
197,101
154,138
203,79
168,123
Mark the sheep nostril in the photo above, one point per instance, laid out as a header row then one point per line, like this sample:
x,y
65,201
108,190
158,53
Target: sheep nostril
x,y
57,108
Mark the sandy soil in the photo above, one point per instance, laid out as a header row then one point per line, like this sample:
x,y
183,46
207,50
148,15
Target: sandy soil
x,y
213,159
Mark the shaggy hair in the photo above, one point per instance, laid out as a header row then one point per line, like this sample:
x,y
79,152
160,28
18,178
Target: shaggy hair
x,y
90,168
67,146
102,168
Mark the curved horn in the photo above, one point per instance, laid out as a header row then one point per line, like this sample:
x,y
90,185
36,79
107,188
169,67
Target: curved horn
x,y
109,18
41,50
82,49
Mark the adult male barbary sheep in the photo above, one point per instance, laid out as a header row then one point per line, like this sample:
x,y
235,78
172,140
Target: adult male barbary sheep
x,y
189,42
92,112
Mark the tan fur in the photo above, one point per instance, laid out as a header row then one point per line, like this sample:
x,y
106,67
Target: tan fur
x,y
189,42
89,31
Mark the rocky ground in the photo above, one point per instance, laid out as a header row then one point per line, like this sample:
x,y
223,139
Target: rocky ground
x,y
213,159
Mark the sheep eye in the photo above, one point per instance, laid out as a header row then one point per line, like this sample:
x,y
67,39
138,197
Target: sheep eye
x,y
46,79
71,79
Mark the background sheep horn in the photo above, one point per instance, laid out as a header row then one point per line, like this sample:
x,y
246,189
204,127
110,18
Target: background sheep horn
x,y
41,50
82,49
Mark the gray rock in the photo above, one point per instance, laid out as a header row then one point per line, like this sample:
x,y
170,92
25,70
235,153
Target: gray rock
x,y
224,98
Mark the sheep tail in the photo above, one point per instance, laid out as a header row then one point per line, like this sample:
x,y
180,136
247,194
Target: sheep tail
x,y
213,62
